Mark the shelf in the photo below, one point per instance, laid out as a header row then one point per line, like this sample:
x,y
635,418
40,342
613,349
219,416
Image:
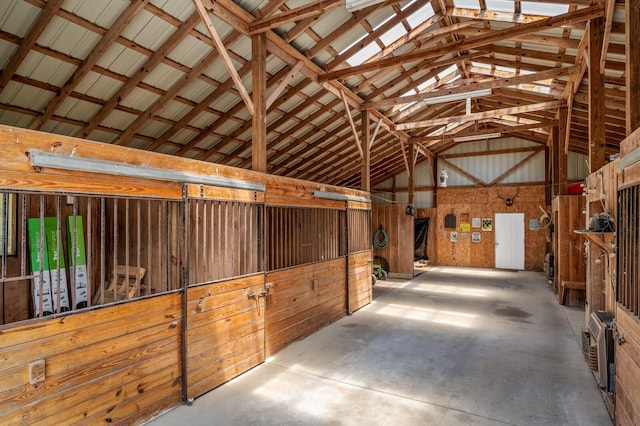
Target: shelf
x,y
604,240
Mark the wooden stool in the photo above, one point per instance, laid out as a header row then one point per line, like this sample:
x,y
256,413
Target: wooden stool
x,y
570,285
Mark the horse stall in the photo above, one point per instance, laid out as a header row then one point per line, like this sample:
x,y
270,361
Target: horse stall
x,y
132,282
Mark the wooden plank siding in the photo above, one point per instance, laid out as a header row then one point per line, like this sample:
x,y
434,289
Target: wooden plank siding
x,y
360,290
302,300
399,227
225,331
627,349
123,362
119,364
465,203
568,247
627,369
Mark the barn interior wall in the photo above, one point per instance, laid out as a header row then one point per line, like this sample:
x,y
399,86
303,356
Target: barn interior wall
x,y
627,346
483,203
399,226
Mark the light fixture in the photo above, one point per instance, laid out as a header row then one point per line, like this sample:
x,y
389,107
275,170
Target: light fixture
x,y
479,137
353,5
457,96
337,196
80,164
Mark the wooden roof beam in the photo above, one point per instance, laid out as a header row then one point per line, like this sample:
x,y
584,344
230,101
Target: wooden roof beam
x,y
473,42
493,84
610,8
141,74
87,64
482,115
224,55
293,15
501,129
372,36
347,111
29,40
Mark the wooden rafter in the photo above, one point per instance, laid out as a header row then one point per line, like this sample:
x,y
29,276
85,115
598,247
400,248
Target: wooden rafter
x,y
493,84
375,133
105,42
283,84
224,55
482,115
347,111
29,40
141,74
293,15
610,8
516,166
463,172
473,42
500,129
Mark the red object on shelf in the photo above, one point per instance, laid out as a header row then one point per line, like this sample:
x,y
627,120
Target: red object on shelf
x,y
575,188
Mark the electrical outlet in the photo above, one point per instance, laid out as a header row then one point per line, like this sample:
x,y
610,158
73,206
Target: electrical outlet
x,y
36,371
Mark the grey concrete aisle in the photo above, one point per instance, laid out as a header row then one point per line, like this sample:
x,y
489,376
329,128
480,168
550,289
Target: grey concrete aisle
x,y
453,346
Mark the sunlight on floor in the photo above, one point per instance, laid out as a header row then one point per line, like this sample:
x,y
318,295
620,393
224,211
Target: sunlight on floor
x,y
472,271
452,290
438,316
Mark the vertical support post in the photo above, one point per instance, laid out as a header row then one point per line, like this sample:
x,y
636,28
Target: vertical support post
x,y
412,166
548,193
597,141
555,161
259,128
632,69
563,175
185,295
366,152
347,251
434,173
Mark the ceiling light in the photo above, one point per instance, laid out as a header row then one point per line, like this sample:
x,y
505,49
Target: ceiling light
x,y
476,137
353,5
457,96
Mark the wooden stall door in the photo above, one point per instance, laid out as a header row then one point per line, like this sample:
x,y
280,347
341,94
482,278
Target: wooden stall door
x,y
225,321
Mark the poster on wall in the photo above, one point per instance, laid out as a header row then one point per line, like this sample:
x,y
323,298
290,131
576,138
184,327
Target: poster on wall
x,y
465,227
475,222
453,236
475,237
487,224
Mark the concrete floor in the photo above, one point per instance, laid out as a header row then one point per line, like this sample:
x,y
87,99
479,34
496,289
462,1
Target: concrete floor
x,y
453,346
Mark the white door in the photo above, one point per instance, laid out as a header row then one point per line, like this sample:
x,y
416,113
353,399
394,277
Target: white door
x,y
509,233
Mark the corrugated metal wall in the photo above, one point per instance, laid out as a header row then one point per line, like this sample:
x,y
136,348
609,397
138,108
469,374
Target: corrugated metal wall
x,y
486,167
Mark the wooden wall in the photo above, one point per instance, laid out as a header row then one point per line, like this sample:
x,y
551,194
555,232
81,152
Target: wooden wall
x,y
627,369
302,300
627,411
120,364
399,228
360,291
601,257
568,247
225,331
467,203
